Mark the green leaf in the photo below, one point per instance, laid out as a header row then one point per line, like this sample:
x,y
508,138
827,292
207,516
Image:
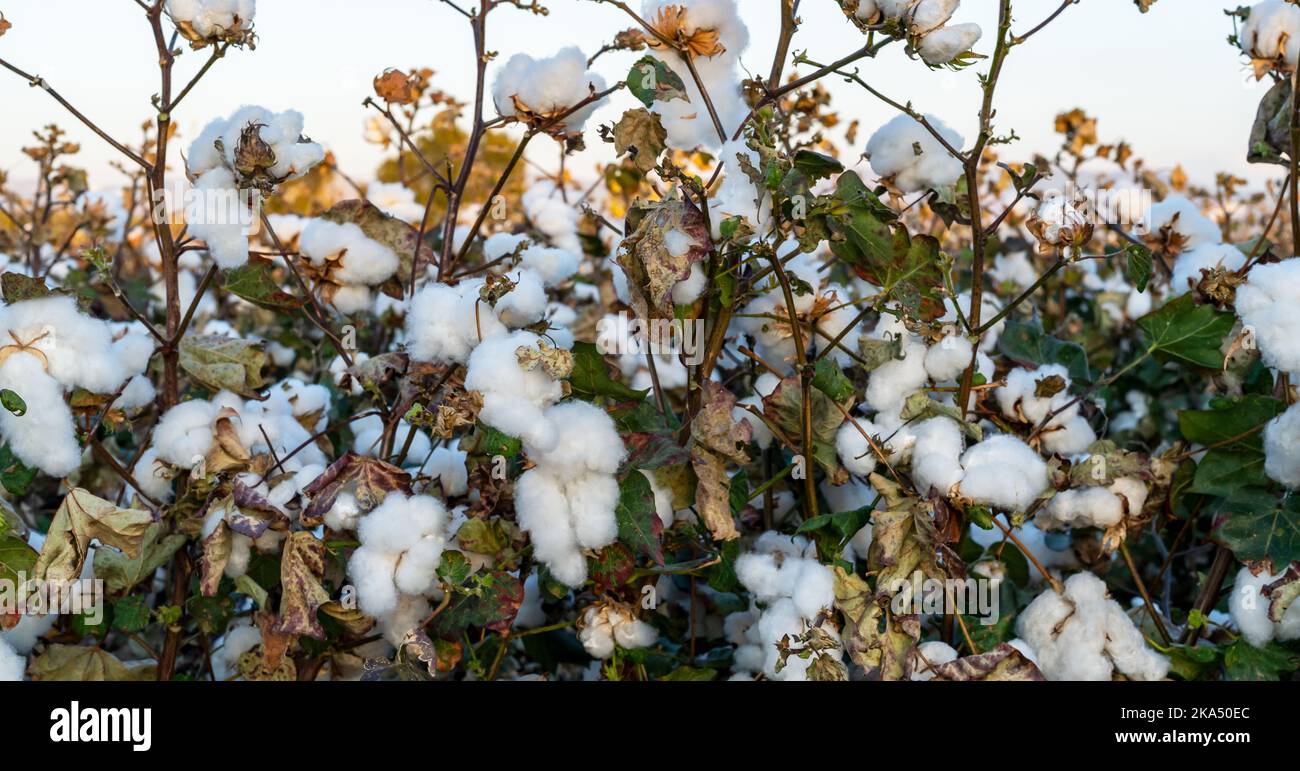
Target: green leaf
x,y
490,599
1139,266
1223,472
816,166
246,585
639,526
693,674
130,614
1185,332
16,477
1236,421
13,402
254,282
830,380
1193,662
590,377
1260,526
15,557
844,524
454,567
1027,343
1244,662
722,576
651,80
224,363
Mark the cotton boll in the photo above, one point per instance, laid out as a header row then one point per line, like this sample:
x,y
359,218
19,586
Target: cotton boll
x,y
935,455
931,655
663,498
891,383
153,476
184,435
12,665
445,323
1015,269
216,215
1019,399
74,349
893,153
543,512
927,16
1272,32
758,430
1082,507
401,547
237,641
948,358
1267,304
345,513
1071,437
346,254
989,308
213,20
514,398
281,131
44,436
498,245
944,45
553,266
1182,222
1003,471
531,613
854,451
547,87
1084,635
592,499
688,291
1282,448
409,612
396,200
1249,609
1188,266
447,465
738,196
525,304
589,442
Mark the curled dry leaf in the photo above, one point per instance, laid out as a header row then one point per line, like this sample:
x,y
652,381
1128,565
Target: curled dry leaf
x,y
83,518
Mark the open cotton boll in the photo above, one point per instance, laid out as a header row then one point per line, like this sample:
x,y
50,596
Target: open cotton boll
x,y
1249,609
688,126
1188,266
943,45
1282,448
368,432
498,245
514,398
401,547
1015,268
930,655
758,430
184,434
1183,223
1085,635
926,16
891,383
218,216
1082,507
153,476
547,87
1068,437
394,199
1018,399
989,308
554,266
75,349
854,451
549,213
525,304
1272,31
588,441
1267,305
1003,471
12,665
282,131
542,511
604,625
738,196
905,151
214,19
345,254
688,290
936,455
240,638
948,358
445,323
44,436
447,466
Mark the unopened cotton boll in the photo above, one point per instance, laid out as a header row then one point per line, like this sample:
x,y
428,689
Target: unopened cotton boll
x,y
546,88
1003,471
944,45
907,152
1085,635
1282,448
1250,610
1267,305
1188,266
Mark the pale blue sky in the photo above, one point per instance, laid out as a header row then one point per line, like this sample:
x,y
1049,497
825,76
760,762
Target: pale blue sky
x,y
1166,81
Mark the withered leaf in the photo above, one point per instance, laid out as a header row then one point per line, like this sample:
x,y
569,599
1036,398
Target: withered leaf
x,y
1002,663
224,363
85,664
717,438
82,518
216,553
652,268
369,479
120,572
396,87
302,566
640,134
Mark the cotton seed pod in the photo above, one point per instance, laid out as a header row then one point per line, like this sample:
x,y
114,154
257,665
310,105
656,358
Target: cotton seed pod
x,y
1059,223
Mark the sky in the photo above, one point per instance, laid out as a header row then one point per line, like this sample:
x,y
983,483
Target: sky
x,y
1165,81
